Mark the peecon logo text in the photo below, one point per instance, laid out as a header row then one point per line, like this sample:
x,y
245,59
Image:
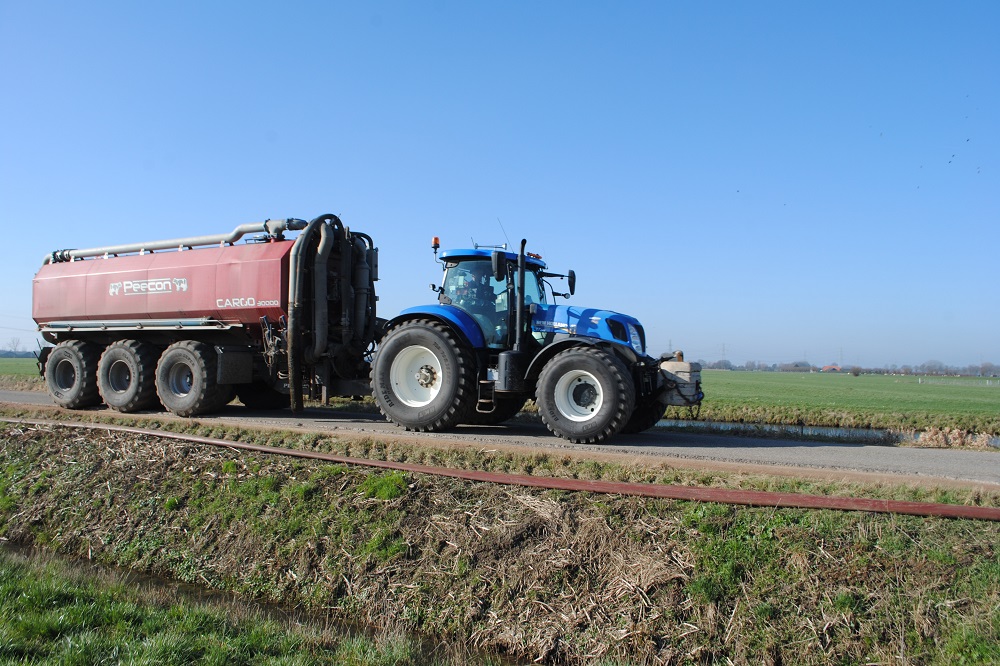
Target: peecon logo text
x,y
139,287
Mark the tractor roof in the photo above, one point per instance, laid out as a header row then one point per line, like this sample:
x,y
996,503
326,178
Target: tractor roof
x,y
534,261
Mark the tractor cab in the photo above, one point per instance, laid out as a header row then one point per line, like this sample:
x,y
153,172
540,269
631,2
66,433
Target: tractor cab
x,y
485,289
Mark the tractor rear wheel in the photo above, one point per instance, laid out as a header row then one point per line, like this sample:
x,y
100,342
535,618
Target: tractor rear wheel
x,y
71,374
585,394
126,376
422,377
185,378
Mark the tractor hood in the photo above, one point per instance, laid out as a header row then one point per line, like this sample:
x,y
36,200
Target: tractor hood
x,y
589,322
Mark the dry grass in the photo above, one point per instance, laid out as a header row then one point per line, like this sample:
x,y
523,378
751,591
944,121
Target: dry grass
x,y
953,438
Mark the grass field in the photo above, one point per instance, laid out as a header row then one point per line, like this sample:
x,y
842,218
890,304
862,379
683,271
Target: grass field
x,y
866,401
19,367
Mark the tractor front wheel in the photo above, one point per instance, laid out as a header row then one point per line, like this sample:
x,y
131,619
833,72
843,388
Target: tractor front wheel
x,y
422,377
585,394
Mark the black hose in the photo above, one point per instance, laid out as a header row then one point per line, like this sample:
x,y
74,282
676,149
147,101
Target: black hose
x,y
296,270
519,315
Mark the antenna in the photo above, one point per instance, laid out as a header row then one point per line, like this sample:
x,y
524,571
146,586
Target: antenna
x,y
504,232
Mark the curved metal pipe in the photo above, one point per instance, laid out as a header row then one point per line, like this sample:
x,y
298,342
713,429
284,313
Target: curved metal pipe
x,y
273,228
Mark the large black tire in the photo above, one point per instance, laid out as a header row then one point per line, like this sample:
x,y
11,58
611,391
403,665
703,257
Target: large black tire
x,y
422,378
504,409
185,378
647,413
585,394
259,395
71,374
126,376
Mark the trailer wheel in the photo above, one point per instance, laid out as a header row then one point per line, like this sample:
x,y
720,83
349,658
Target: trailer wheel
x,y
259,395
421,377
504,410
126,376
585,394
185,378
647,414
71,374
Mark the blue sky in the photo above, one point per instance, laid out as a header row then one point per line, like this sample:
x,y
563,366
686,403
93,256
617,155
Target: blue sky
x,y
770,181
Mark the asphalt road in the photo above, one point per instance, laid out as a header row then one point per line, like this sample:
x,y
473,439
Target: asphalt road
x,y
832,460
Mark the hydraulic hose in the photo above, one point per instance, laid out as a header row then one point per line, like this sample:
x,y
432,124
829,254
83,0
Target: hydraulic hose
x,y
321,304
296,270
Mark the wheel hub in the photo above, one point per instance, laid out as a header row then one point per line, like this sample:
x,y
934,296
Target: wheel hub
x,y
584,394
426,376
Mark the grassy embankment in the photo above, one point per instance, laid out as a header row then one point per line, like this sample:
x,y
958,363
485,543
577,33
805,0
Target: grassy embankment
x,y
561,577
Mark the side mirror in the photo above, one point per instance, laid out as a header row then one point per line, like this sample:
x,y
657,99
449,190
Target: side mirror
x,y
499,266
572,282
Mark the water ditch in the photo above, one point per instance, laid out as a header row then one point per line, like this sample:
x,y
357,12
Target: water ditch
x,y
160,591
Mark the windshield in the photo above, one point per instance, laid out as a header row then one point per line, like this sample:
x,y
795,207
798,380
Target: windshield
x,y
470,285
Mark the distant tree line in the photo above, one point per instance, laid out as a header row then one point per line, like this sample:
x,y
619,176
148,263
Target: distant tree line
x,y
13,350
927,368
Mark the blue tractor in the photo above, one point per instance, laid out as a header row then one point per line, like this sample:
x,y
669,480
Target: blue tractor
x,y
496,338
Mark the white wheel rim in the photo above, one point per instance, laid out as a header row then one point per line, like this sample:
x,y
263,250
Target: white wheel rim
x,y
578,396
416,376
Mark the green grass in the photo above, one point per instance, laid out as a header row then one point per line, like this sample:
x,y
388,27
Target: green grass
x,y
866,401
19,367
53,612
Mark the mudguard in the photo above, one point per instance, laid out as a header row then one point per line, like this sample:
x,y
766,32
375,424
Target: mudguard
x,y
458,319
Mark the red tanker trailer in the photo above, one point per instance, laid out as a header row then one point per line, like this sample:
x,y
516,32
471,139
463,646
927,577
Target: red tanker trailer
x,y
191,321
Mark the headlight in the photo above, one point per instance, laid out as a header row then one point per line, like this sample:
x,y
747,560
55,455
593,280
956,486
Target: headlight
x,y
635,339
